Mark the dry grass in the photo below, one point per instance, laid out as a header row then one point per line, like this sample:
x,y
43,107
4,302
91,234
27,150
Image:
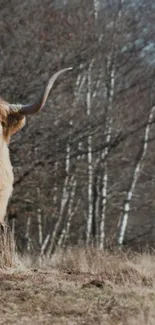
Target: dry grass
x,y
7,248
81,287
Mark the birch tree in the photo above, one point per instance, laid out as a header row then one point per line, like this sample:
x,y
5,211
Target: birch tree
x,y
135,176
108,130
40,232
27,234
64,200
65,232
90,158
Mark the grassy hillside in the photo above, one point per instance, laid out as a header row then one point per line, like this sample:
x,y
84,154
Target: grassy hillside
x,y
80,287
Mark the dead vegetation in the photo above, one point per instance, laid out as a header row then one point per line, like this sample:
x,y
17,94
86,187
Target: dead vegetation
x,y
81,287
7,248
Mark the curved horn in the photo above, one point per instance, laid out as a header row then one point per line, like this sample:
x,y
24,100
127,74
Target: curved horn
x,y
40,102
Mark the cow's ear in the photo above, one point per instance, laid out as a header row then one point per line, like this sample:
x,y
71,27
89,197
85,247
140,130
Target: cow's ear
x,y
15,123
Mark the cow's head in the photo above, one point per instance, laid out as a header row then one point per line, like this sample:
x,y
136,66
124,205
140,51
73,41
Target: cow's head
x,y
12,116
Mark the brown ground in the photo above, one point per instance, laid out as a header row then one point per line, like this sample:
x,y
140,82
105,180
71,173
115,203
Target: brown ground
x,y
82,288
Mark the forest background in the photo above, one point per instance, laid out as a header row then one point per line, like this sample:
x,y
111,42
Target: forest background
x,y
85,166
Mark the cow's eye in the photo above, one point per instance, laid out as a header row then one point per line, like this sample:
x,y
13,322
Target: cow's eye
x,y
3,124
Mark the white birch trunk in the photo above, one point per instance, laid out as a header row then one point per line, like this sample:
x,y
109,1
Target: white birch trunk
x,y
40,233
65,232
104,154
70,217
80,82
65,195
65,192
55,186
97,210
104,204
44,245
96,8
90,194
138,167
90,161
27,233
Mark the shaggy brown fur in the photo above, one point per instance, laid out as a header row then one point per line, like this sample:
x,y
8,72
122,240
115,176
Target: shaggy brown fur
x,y
10,123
